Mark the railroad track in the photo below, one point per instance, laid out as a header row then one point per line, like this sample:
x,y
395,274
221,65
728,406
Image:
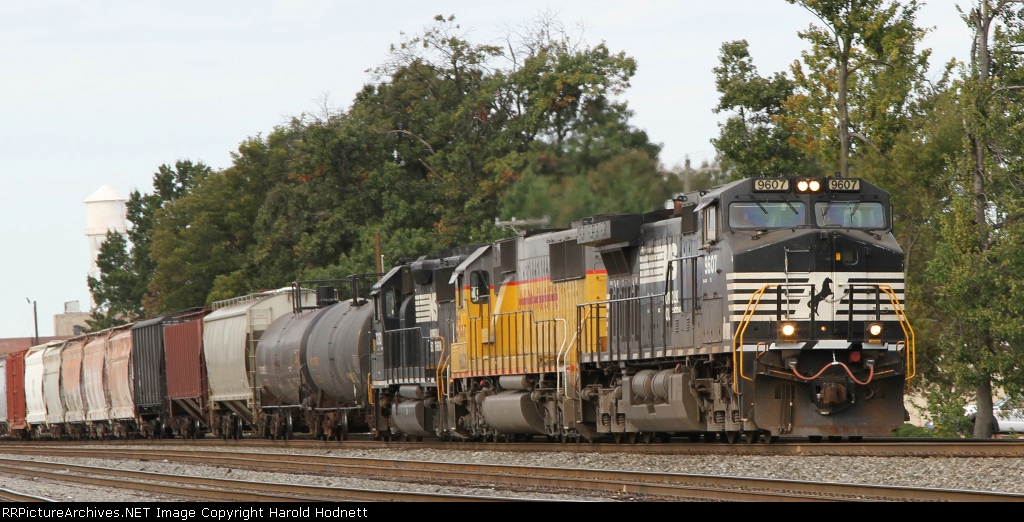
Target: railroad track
x,y
220,489
894,447
638,485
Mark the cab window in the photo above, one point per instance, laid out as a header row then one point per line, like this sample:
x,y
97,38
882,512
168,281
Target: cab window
x,y
710,224
390,303
766,214
479,286
849,214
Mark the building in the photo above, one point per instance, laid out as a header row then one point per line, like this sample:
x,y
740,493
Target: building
x,y
72,322
105,212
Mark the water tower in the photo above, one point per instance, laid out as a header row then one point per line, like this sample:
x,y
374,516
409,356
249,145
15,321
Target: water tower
x,y
104,212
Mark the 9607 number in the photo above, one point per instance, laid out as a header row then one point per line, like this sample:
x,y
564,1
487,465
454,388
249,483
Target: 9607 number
x,y
843,184
771,185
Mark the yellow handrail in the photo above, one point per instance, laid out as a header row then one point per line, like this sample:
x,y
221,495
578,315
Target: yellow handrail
x,y
737,340
442,363
908,331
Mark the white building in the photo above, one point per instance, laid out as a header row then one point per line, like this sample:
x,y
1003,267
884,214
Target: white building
x,y
104,212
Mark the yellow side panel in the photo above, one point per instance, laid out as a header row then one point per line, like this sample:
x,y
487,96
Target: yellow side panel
x,y
536,323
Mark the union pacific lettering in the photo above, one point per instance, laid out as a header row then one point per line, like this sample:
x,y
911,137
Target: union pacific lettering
x,y
541,290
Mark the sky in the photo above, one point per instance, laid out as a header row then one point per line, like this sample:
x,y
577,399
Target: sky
x,y
95,93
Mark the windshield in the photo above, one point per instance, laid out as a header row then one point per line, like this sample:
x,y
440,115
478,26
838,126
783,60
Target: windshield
x,y
766,214
849,214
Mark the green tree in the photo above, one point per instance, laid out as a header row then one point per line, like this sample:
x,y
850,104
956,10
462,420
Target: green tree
x,y
979,265
572,134
856,79
204,236
126,267
116,292
750,142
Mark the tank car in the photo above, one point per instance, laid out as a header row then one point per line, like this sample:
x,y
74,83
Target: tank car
x,y
311,363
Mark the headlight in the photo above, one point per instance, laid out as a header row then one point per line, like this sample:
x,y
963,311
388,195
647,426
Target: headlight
x,y
875,329
788,329
805,186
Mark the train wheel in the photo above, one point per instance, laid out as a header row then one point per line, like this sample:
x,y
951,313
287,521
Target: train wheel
x,y
752,437
772,439
693,437
648,437
238,428
344,428
633,437
732,437
617,437
814,438
289,429
710,436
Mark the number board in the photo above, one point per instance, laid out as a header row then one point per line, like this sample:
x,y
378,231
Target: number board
x,y
771,185
843,185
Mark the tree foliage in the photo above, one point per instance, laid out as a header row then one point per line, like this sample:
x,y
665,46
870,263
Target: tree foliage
x,y
449,138
979,264
857,78
751,142
126,266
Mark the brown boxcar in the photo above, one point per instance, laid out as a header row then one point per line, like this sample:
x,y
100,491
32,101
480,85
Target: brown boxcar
x,y
16,408
4,429
187,392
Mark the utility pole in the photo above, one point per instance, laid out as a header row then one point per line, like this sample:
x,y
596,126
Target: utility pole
x,y
35,321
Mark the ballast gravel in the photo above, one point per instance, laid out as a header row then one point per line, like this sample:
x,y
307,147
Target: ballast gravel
x,y
984,474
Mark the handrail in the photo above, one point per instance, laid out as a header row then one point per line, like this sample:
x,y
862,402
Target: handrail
x,y
741,330
369,390
442,361
564,350
908,331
